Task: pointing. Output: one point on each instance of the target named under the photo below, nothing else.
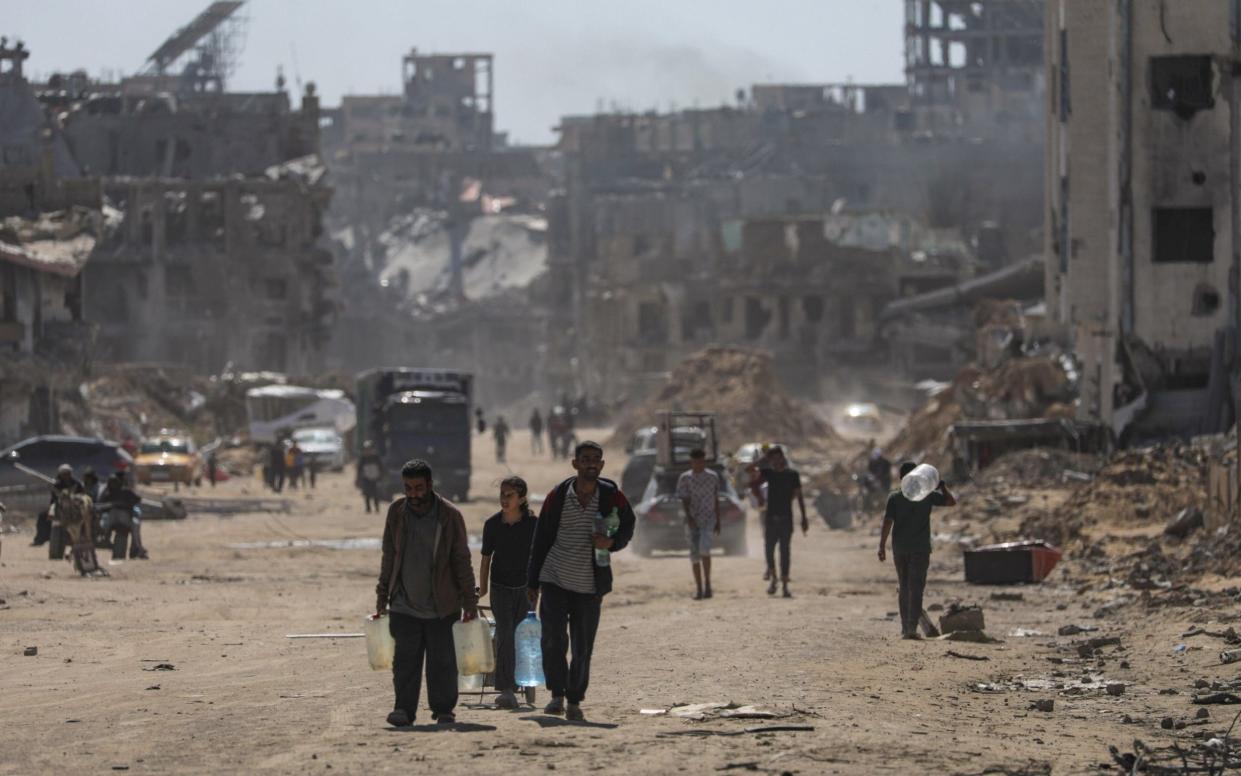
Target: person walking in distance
(783, 485)
(699, 490)
(536, 432)
(909, 522)
(370, 471)
(571, 576)
(426, 583)
(500, 432)
(506, 552)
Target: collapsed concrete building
(648, 238)
(1144, 144)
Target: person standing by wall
(909, 522)
(783, 485)
(565, 570)
(506, 552)
(426, 583)
(699, 490)
(500, 432)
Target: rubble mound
(740, 386)
(1019, 389)
(1143, 484)
(134, 401)
(1039, 467)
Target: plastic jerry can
(380, 646)
(472, 642)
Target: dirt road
(220, 594)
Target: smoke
(629, 74)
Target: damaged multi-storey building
(1144, 147)
(216, 259)
(792, 219)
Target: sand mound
(741, 388)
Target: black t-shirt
(509, 548)
(911, 521)
(780, 488)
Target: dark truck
(417, 413)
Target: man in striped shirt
(565, 572)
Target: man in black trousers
(584, 514)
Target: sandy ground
(244, 698)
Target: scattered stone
(1201, 684)
(970, 636)
(153, 687)
(1090, 647)
(1124, 664)
(1074, 630)
(962, 618)
(30, 651)
(1167, 723)
(935, 608)
(161, 667)
(1187, 520)
(1046, 705)
(1115, 688)
(1001, 596)
(1203, 713)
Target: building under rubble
(1144, 145)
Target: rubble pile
(741, 388)
(1040, 386)
(132, 402)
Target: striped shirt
(570, 563)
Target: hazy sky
(553, 57)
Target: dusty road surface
(220, 594)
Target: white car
(322, 445)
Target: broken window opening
(756, 318)
(1182, 84)
(147, 227)
(652, 323)
(1206, 301)
(812, 308)
(782, 308)
(1183, 235)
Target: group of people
(87, 514)
(558, 563)
(289, 466)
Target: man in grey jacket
(426, 580)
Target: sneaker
(706, 593)
(506, 700)
(698, 596)
(446, 718)
(555, 706)
(771, 589)
(574, 713)
(399, 718)
(787, 594)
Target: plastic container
(606, 526)
(920, 483)
(469, 682)
(472, 642)
(380, 646)
(529, 649)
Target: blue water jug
(529, 650)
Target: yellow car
(168, 457)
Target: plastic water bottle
(920, 483)
(529, 651)
(606, 526)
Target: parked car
(22, 492)
(168, 457)
(323, 446)
(642, 454)
(661, 516)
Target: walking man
(500, 431)
(536, 432)
(565, 568)
(425, 581)
(783, 485)
(699, 489)
(909, 522)
(370, 471)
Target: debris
(971, 636)
(325, 635)
(1230, 656)
(1167, 723)
(1217, 699)
(962, 618)
(30, 651)
(153, 687)
(928, 628)
(1115, 688)
(1045, 705)
(1022, 633)
(742, 732)
(1001, 596)
(1088, 648)
(964, 656)
(1073, 630)
(161, 667)
(1185, 522)
(1010, 562)
(1203, 713)
(1181, 649)
(718, 710)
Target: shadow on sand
(548, 721)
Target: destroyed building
(1141, 257)
(648, 236)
